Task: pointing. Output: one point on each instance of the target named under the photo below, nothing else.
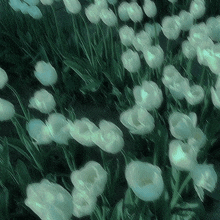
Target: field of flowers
(109, 109)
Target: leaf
(117, 212)
(4, 201)
(91, 87)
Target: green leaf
(117, 212)
(4, 201)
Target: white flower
(138, 120)
(34, 12)
(171, 27)
(182, 156)
(150, 8)
(197, 9)
(101, 4)
(153, 30)
(45, 73)
(148, 95)
(108, 17)
(108, 137)
(195, 95)
(32, 2)
(92, 13)
(15, 4)
(7, 110)
(126, 35)
(91, 178)
(123, 11)
(181, 125)
(82, 130)
(213, 26)
(72, 6)
(47, 2)
(153, 55)
(3, 78)
(215, 95)
(83, 203)
(186, 20)
(24, 8)
(131, 60)
(141, 40)
(43, 101)
(59, 128)
(39, 131)
(204, 177)
(49, 201)
(135, 12)
(145, 180)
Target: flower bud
(148, 95)
(195, 95)
(141, 40)
(126, 35)
(197, 9)
(108, 17)
(92, 13)
(43, 101)
(150, 8)
(72, 6)
(182, 156)
(145, 180)
(138, 120)
(101, 4)
(45, 73)
(135, 12)
(131, 61)
(123, 11)
(153, 30)
(49, 200)
(188, 50)
(213, 26)
(91, 178)
(7, 110)
(3, 78)
(170, 74)
(186, 20)
(15, 4)
(35, 12)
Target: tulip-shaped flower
(45, 73)
(138, 120)
(153, 30)
(131, 61)
(91, 178)
(145, 180)
(150, 8)
(148, 95)
(49, 201)
(181, 125)
(3, 78)
(82, 131)
(135, 12)
(59, 128)
(39, 131)
(182, 156)
(215, 95)
(154, 56)
(43, 101)
(7, 110)
(195, 95)
(204, 177)
(92, 12)
(126, 35)
(109, 137)
(197, 8)
(101, 3)
(188, 50)
(186, 20)
(84, 203)
(213, 26)
(72, 6)
(47, 2)
(34, 12)
(123, 11)
(108, 17)
(141, 40)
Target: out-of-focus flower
(215, 95)
(131, 60)
(34, 12)
(108, 17)
(150, 8)
(7, 110)
(82, 130)
(135, 12)
(170, 74)
(73, 6)
(197, 9)
(109, 137)
(59, 128)
(38, 130)
(92, 13)
(197, 139)
(138, 120)
(49, 201)
(24, 8)
(182, 156)
(186, 20)
(47, 2)
(91, 178)
(188, 50)
(181, 125)
(45, 73)
(153, 30)
(171, 27)
(43, 101)
(126, 35)
(3, 78)
(172, 1)
(213, 26)
(32, 2)
(153, 55)
(148, 95)
(101, 4)
(15, 4)
(204, 177)
(112, 2)
(195, 95)
(83, 203)
(141, 40)
(123, 11)
(145, 180)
